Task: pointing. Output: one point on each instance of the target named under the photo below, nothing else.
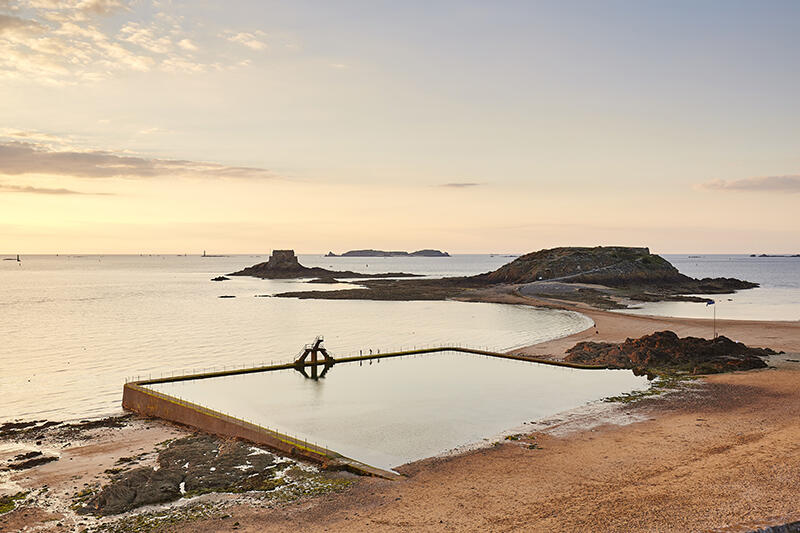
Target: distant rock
(226, 296)
(664, 351)
(325, 280)
(220, 278)
(283, 264)
(382, 253)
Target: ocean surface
(778, 297)
(73, 328)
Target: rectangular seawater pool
(388, 412)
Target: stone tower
(283, 260)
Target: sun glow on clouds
(22, 158)
(62, 42)
(773, 184)
(148, 124)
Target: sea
(777, 297)
(73, 328)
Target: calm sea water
(778, 297)
(400, 410)
(73, 328)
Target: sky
(155, 126)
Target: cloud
(789, 183)
(146, 37)
(460, 185)
(100, 7)
(187, 44)
(19, 158)
(15, 27)
(250, 40)
(41, 190)
(31, 135)
(67, 42)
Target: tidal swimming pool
(393, 411)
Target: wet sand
(722, 456)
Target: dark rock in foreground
(382, 253)
(29, 460)
(283, 264)
(664, 351)
(190, 466)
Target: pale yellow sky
(151, 127)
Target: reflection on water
(73, 328)
(402, 409)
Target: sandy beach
(721, 455)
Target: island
(283, 264)
(609, 277)
(382, 253)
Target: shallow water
(404, 409)
(778, 297)
(73, 328)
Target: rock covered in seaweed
(664, 351)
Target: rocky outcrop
(382, 253)
(189, 466)
(611, 266)
(283, 264)
(604, 276)
(664, 351)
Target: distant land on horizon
(382, 253)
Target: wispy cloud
(460, 185)
(789, 183)
(254, 40)
(29, 189)
(187, 44)
(62, 42)
(20, 158)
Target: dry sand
(723, 456)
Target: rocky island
(283, 264)
(603, 276)
(382, 253)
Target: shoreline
(521, 486)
